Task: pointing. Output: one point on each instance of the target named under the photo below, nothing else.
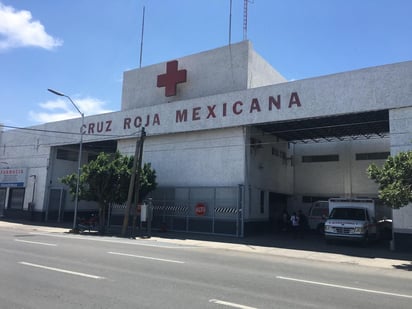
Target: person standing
(303, 223)
(285, 221)
(294, 220)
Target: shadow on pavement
(310, 242)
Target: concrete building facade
(226, 130)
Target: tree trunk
(102, 218)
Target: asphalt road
(57, 270)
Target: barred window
(372, 156)
(16, 198)
(320, 158)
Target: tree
(105, 180)
(394, 180)
(147, 181)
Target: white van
(318, 214)
(352, 219)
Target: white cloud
(17, 29)
(62, 109)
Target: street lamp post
(76, 199)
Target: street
(59, 270)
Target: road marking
(344, 287)
(134, 242)
(35, 242)
(62, 270)
(229, 304)
(146, 257)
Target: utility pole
(136, 159)
(137, 183)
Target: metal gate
(56, 205)
(207, 210)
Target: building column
(401, 140)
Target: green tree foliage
(147, 181)
(394, 180)
(105, 180)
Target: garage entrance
(60, 204)
(333, 128)
(325, 157)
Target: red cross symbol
(171, 78)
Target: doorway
(2, 201)
(56, 205)
(277, 204)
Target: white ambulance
(351, 219)
(317, 216)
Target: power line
(57, 132)
(154, 146)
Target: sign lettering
(213, 112)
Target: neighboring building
(233, 142)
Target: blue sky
(82, 48)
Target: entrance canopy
(333, 128)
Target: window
(68, 155)
(278, 153)
(320, 211)
(372, 156)
(348, 214)
(16, 198)
(312, 199)
(320, 158)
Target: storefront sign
(13, 177)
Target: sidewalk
(311, 247)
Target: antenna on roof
(230, 22)
(245, 4)
(141, 40)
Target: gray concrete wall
(218, 71)
(344, 178)
(207, 158)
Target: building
(232, 141)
